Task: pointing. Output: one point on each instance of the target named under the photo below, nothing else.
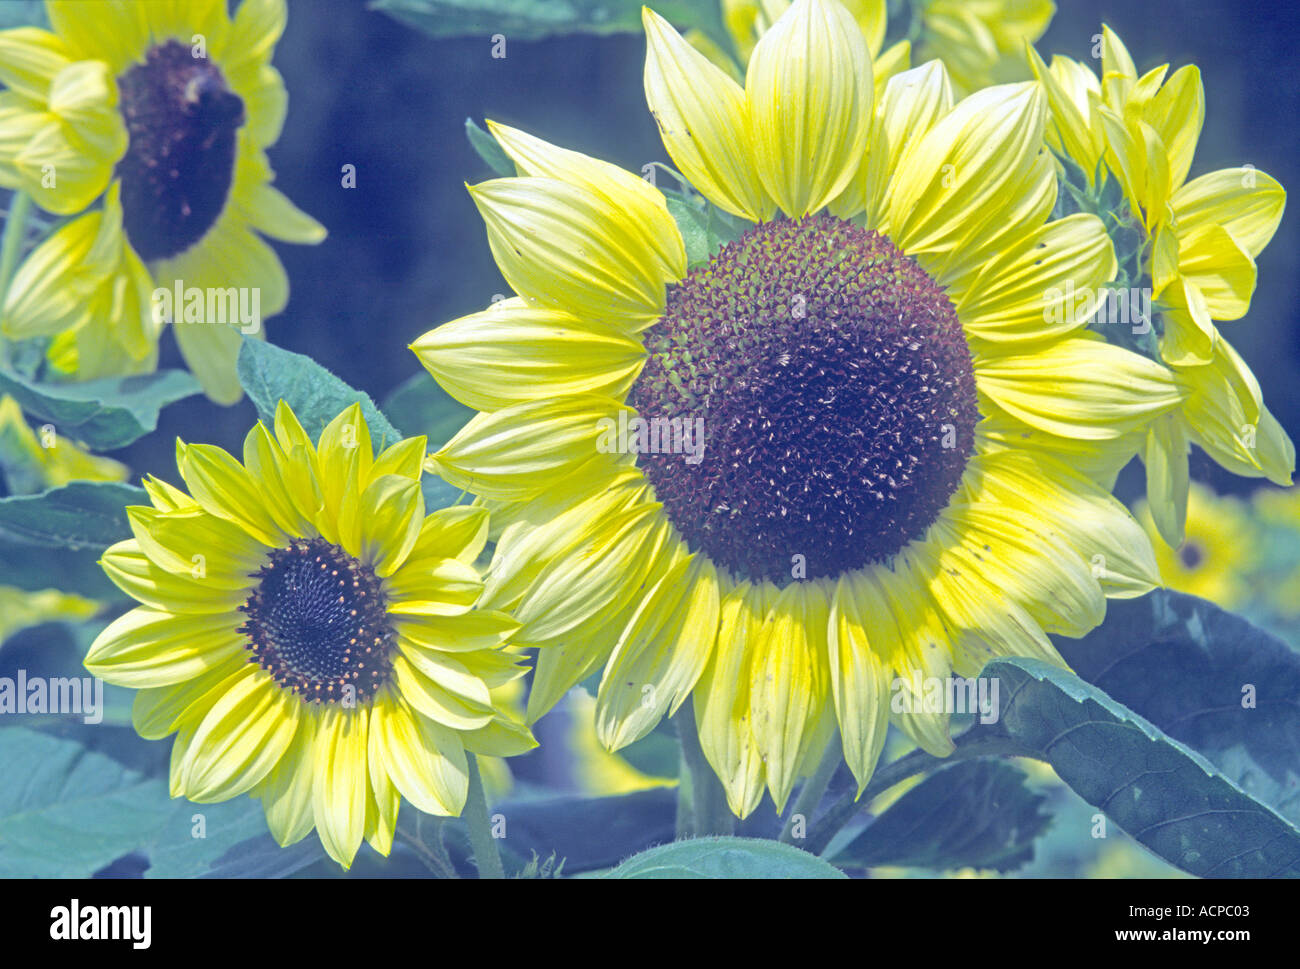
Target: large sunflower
(842, 520)
(165, 110)
(308, 633)
(1192, 249)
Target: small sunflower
(762, 480)
(1218, 549)
(165, 111)
(979, 41)
(1191, 245)
(309, 634)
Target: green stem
(11, 244)
(708, 801)
(917, 762)
(810, 796)
(486, 856)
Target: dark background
(407, 249)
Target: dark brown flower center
(317, 624)
(183, 120)
(835, 391)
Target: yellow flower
(819, 512)
(980, 42)
(1195, 257)
(1217, 550)
(309, 634)
(165, 110)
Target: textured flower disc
(317, 623)
(182, 119)
(837, 395)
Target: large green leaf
(270, 374)
(103, 414)
(1163, 793)
(976, 814)
(1207, 678)
(67, 812)
(725, 858)
(533, 19)
(54, 539)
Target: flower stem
(486, 856)
(810, 796)
(708, 812)
(15, 228)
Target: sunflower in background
(830, 515)
(979, 41)
(310, 635)
(165, 111)
(1191, 244)
(30, 464)
(1218, 553)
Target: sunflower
(762, 480)
(29, 464)
(308, 633)
(979, 41)
(1189, 246)
(1219, 548)
(165, 111)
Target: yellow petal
(564, 247)
(643, 203)
(341, 782)
(703, 120)
(147, 647)
(809, 89)
(1081, 388)
(1246, 202)
(859, 683)
(425, 762)
(722, 704)
(660, 655)
(514, 352)
(520, 450)
(789, 684)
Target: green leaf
(705, 228)
(725, 858)
(270, 374)
(534, 19)
(1163, 793)
(54, 539)
(1209, 679)
(489, 150)
(67, 812)
(975, 814)
(103, 414)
